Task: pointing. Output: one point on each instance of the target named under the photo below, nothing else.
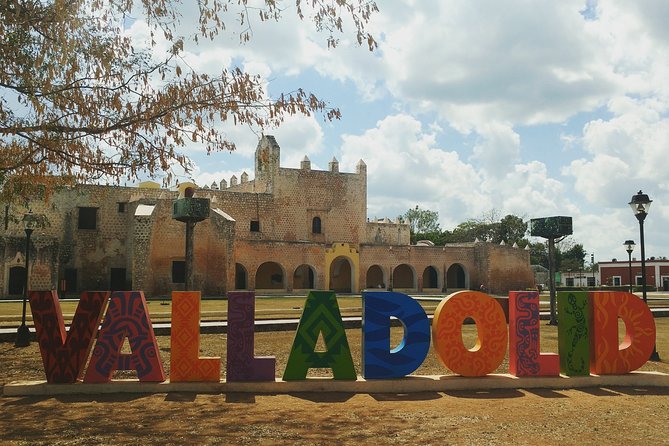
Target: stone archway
(404, 277)
(341, 275)
(270, 276)
(241, 277)
(333, 256)
(375, 278)
(304, 278)
(430, 278)
(457, 277)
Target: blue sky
(532, 108)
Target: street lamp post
(629, 247)
(23, 333)
(640, 204)
(592, 269)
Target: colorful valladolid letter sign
(574, 332)
(608, 356)
(490, 348)
(127, 317)
(525, 358)
(64, 353)
(241, 364)
(378, 360)
(320, 316)
(186, 364)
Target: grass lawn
(267, 307)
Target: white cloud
(477, 62)
(298, 136)
(488, 70)
(498, 150)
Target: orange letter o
(490, 348)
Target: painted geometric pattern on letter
(241, 364)
(127, 317)
(64, 355)
(185, 361)
(378, 360)
(321, 315)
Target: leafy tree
(470, 230)
(423, 224)
(572, 258)
(80, 100)
(512, 229)
(539, 254)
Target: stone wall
(262, 231)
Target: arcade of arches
(273, 276)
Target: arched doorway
(341, 279)
(241, 277)
(270, 276)
(404, 277)
(17, 280)
(304, 278)
(430, 278)
(375, 278)
(456, 277)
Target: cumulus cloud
(487, 71)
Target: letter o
(490, 348)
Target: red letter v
(64, 353)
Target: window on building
(122, 207)
(591, 281)
(617, 281)
(639, 280)
(178, 271)
(569, 281)
(255, 226)
(316, 225)
(88, 218)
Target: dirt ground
(585, 416)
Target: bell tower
(268, 157)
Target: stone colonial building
(286, 231)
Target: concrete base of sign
(410, 384)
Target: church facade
(286, 231)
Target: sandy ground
(584, 416)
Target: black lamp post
(629, 247)
(640, 204)
(592, 269)
(23, 333)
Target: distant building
(285, 231)
(617, 273)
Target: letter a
(321, 315)
(127, 317)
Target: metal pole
(629, 254)
(23, 333)
(551, 280)
(641, 217)
(190, 230)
